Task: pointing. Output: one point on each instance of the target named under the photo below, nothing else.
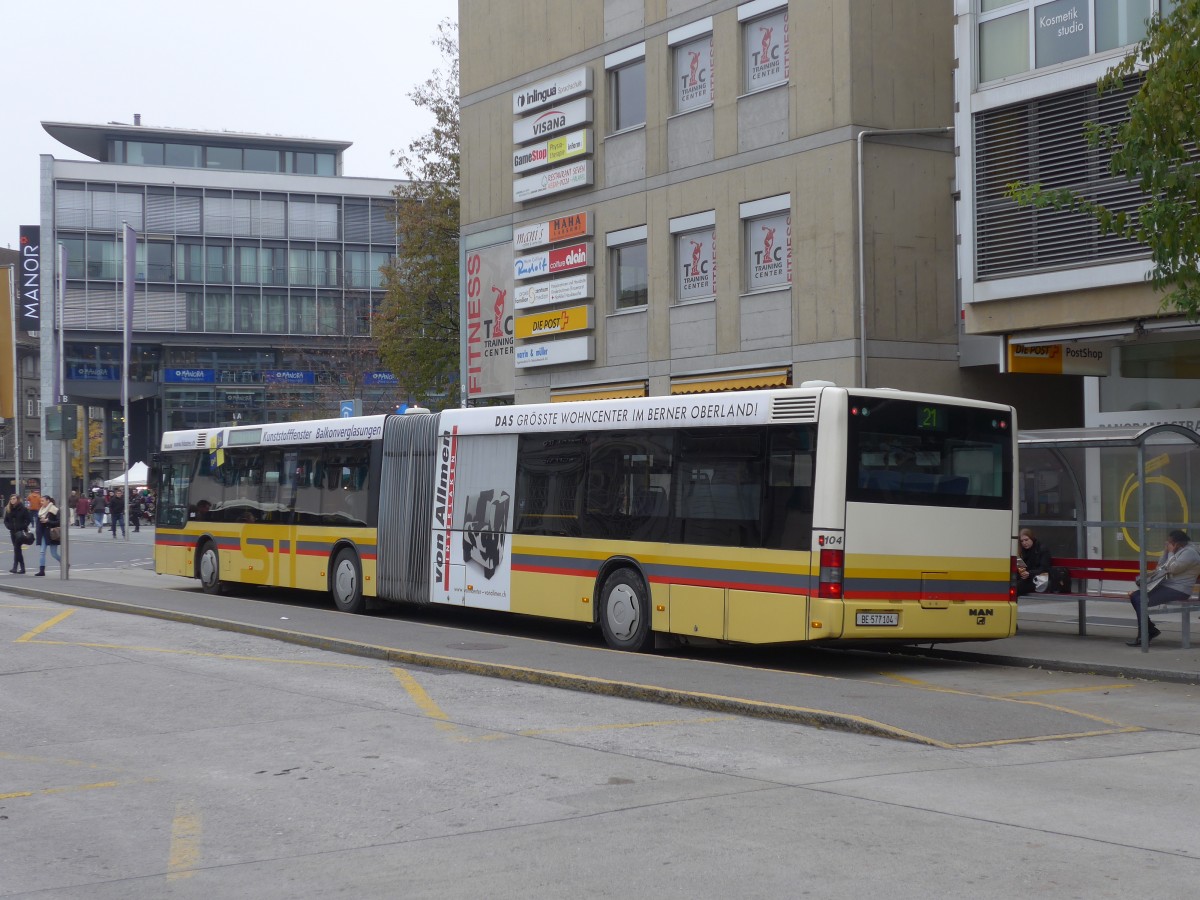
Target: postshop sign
(1058, 359)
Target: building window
(764, 44)
(33, 407)
(183, 155)
(216, 258)
(329, 314)
(1043, 141)
(768, 243)
(194, 309)
(143, 153)
(223, 157)
(218, 313)
(1012, 33)
(695, 256)
(189, 262)
(693, 65)
(301, 265)
(627, 80)
(261, 160)
(275, 313)
(247, 314)
(31, 443)
(159, 255)
(630, 269)
(304, 315)
(101, 258)
(696, 266)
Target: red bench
(1086, 571)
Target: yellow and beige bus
(814, 513)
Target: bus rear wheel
(345, 582)
(625, 612)
(208, 569)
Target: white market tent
(139, 475)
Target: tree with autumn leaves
(1156, 148)
(417, 326)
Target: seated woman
(1034, 559)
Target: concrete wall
(879, 64)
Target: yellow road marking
(60, 790)
(184, 855)
(1074, 690)
(25, 757)
(30, 635)
(1013, 698)
(424, 702)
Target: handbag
(1040, 582)
(1157, 577)
(27, 537)
(55, 534)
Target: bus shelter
(1110, 493)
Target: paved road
(142, 757)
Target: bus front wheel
(625, 612)
(208, 569)
(345, 584)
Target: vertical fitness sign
(489, 322)
(30, 278)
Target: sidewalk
(1048, 638)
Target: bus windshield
(928, 454)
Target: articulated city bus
(814, 513)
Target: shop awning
(743, 380)
(616, 391)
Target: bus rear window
(928, 454)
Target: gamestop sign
(555, 150)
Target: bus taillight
(1012, 578)
(832, 565)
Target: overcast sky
(339, 71)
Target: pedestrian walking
(17, 520)
(116, 512)
(49, 534)
(99, 505)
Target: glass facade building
(257, 277)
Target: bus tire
(625, 612)
(208, 569)
(345, 582)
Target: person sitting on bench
(1172, 579)
(1034, 559)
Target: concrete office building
(258, 274)
(1062, 298)
(667, 195)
